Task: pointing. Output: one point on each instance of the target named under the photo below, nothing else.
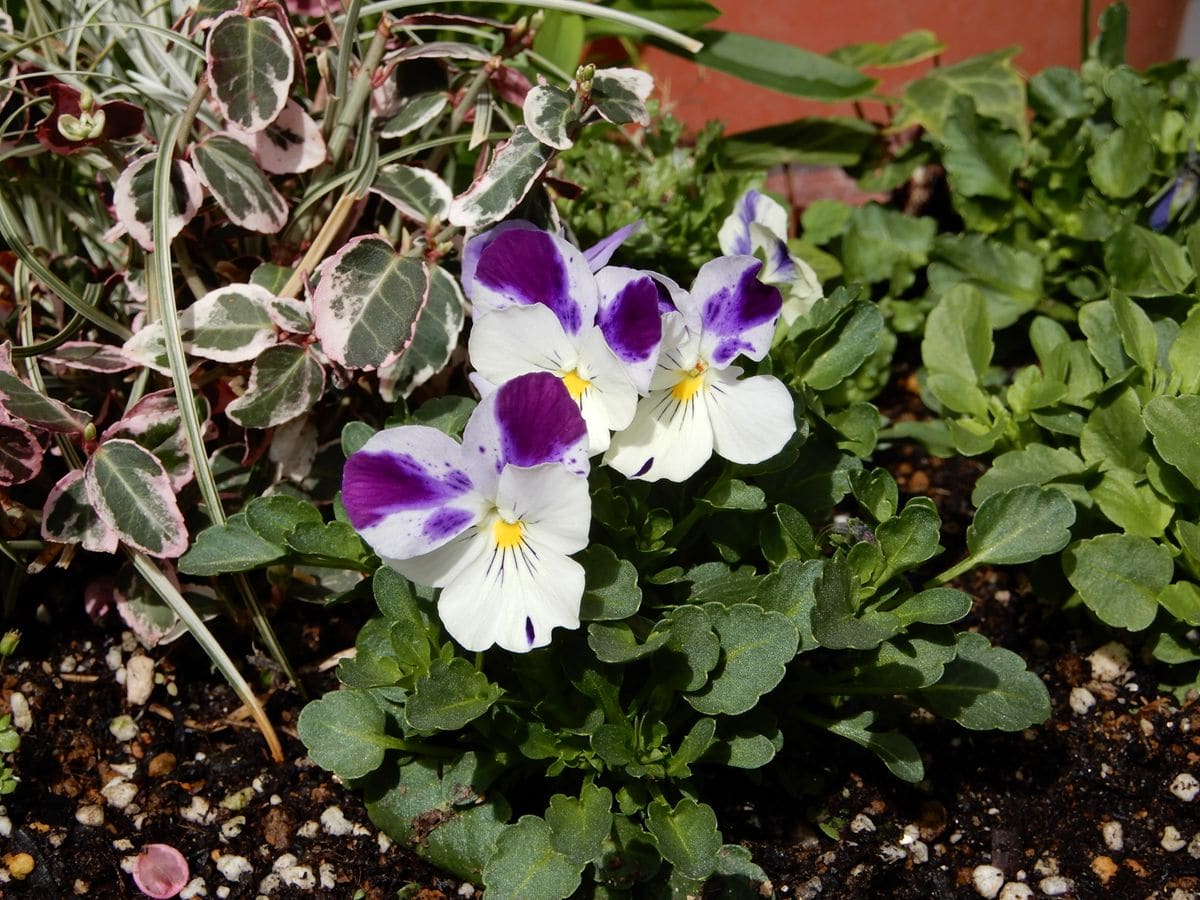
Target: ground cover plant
(409, 316)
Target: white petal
(668, 439)
(439, 567)
(512, 598)
(610, 399)
(519, 339)
(553, 504)
(751, 419)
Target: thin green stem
(416, 748)
(359, 93)
(189, 116)
(952, 573)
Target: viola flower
(1178, 197)
(491, 521)
(538, 308)
(758, 226)
(76, 121)
(698, 405)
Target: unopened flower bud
(8, 642)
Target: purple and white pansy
(539, 308)
(491, 521)
(697, 404)
(758, 226)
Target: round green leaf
(988, 687)
(1175, 424)
(756, 646)
(1119, 577)
(344, 732)
(526, 865)
(450, 696)
(687, 836)
(1020, 525)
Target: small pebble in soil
(198, 811)
(123, 728)
(22, 718)
(327, 875)
(112, 658)
(223, 892)
(1193, 847)
(1172, 841)
(139, 679)
(1014, 890)
(1104, 868)
(1056, 885)
(234, 867)
(1109, 662)
(194, 888)
(1114, 836)
(20, 865)
(309, 829)
(1185, 787)
(861, 823)
(5, 826)
(231, 828)
(293, 874)
(161, 764)
(988, 881)
(90, 815)
(1082, 700)
(119, 793)
(237, 800)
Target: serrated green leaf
(935, 606)
(909, 539)
(692, 649)
(344, 732)
(449, 696)
(907, 662)
(735, 494)
(1122, 163)
(615, 642)
(693, 746)
(286, 382)
(903, 51)
(1020, 525)
(250, 69)
(1119, 577)
(1144, 264)
(1182, 600)
(129, 490)
(1057, 93)
(989, 80)
(979, 156)
(610, 589)
(332, 540)
(787, 535)
(885, 245)
(1132, 504)
(1175, 424)
(1114, 435)
(273, 517)
(836, 624)
(756, 646)
(896, 751)
(687, 836)
(579, 826)
(1036, 464)
(988, 687)
(1009, 278)
(232, 547)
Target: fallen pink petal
(160, 871)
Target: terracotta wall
(1048, 31)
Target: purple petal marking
(539, 422)
(377, 484)
(644, 469)
(780, 262)
(527, 266)
(630, 319)
(446, 522)
(529, 633)
(737, 311)
(745, 212)
(601, 252)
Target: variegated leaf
(271, 276)
(148, 347)
(230, 324)
(20, 453)
(129, 490)
(417, 193)
(367, 303)
(551, 115)
(620, 95)
(229, 171)
(250, 69)
(91, 356)
(289, 145)
(286, 381)
(290, 315)
(68, 518)
(294, 448)
(133, 199)
(155, 423)
(437, 335)
(518, 163)
(443, 50)
(417, 112)
(19, 400)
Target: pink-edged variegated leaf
(148, 347)
(68, 518)
(247, 196)
(91, 356)
(551, 115)
(417, 193)
(133, 199)
(417, 112)
(129, 490)
(286, 382)
(154, 422)
(442, 50)
(289, 145)
(20, 401)
(620, 95)
(250, 69)
(6, 363)
(230, 324)
(20, 453)
(367, 303)
(437, 334)
(294, 448)
(518, 163)
(290, 315)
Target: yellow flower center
(575, 384)
(685, 389)
(507, 534)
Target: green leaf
(1098, 322)
(273, 517)
(610, 589)
(452, 694)
(693, 746)
(1109, 46)
(232, 547)
(447, 414)
(1057, 94)
(615, 642)
(367, 303)
(989, 80)
(735, 494)
(230, 324)
(907, 662)
(957, 349)
(1137, 332)
(1175, 424)
(418, 193)
(1115, 435)
(560, 39)
(1144, 264)
(885, 245)
(344, 732)
(134, 199)
(250, 69)
(239, 186)
(936, 606)
(836, 624)
(286, 382)
(517, 164)
(630, 856)
(332, 540)
(903, 51)
(131, 493)
(1182, 600)
(781, 67)
(68, 518)
(787, 535)
(896, 751)
(835, 356)
(1020, 525)
(23, 402)
(620, 95)
(1119, 577)
(1009, 278)
(909, 539)
(1036, 464)
(987, 688)
(418, 111)
(579, 826)
(687, 836)
(979, 156)
(1132, 504)
(354, 436)
(756, 646)
(525, 864)
(790, 591)
(830, 141)
(435, 339)
(692, 650)
(1122, 163)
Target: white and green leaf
(518, 163)
(417, 112)
(90, 356)
(133, 199)
(551, 115)
(20, 401)
(250, 69)
(20, 453)
(129, 490)
(436, 337)
(418, 193)
(230, 324)
(620, 95)
(68, 518)
(289, 145)
(286, 382)
(247, 196)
